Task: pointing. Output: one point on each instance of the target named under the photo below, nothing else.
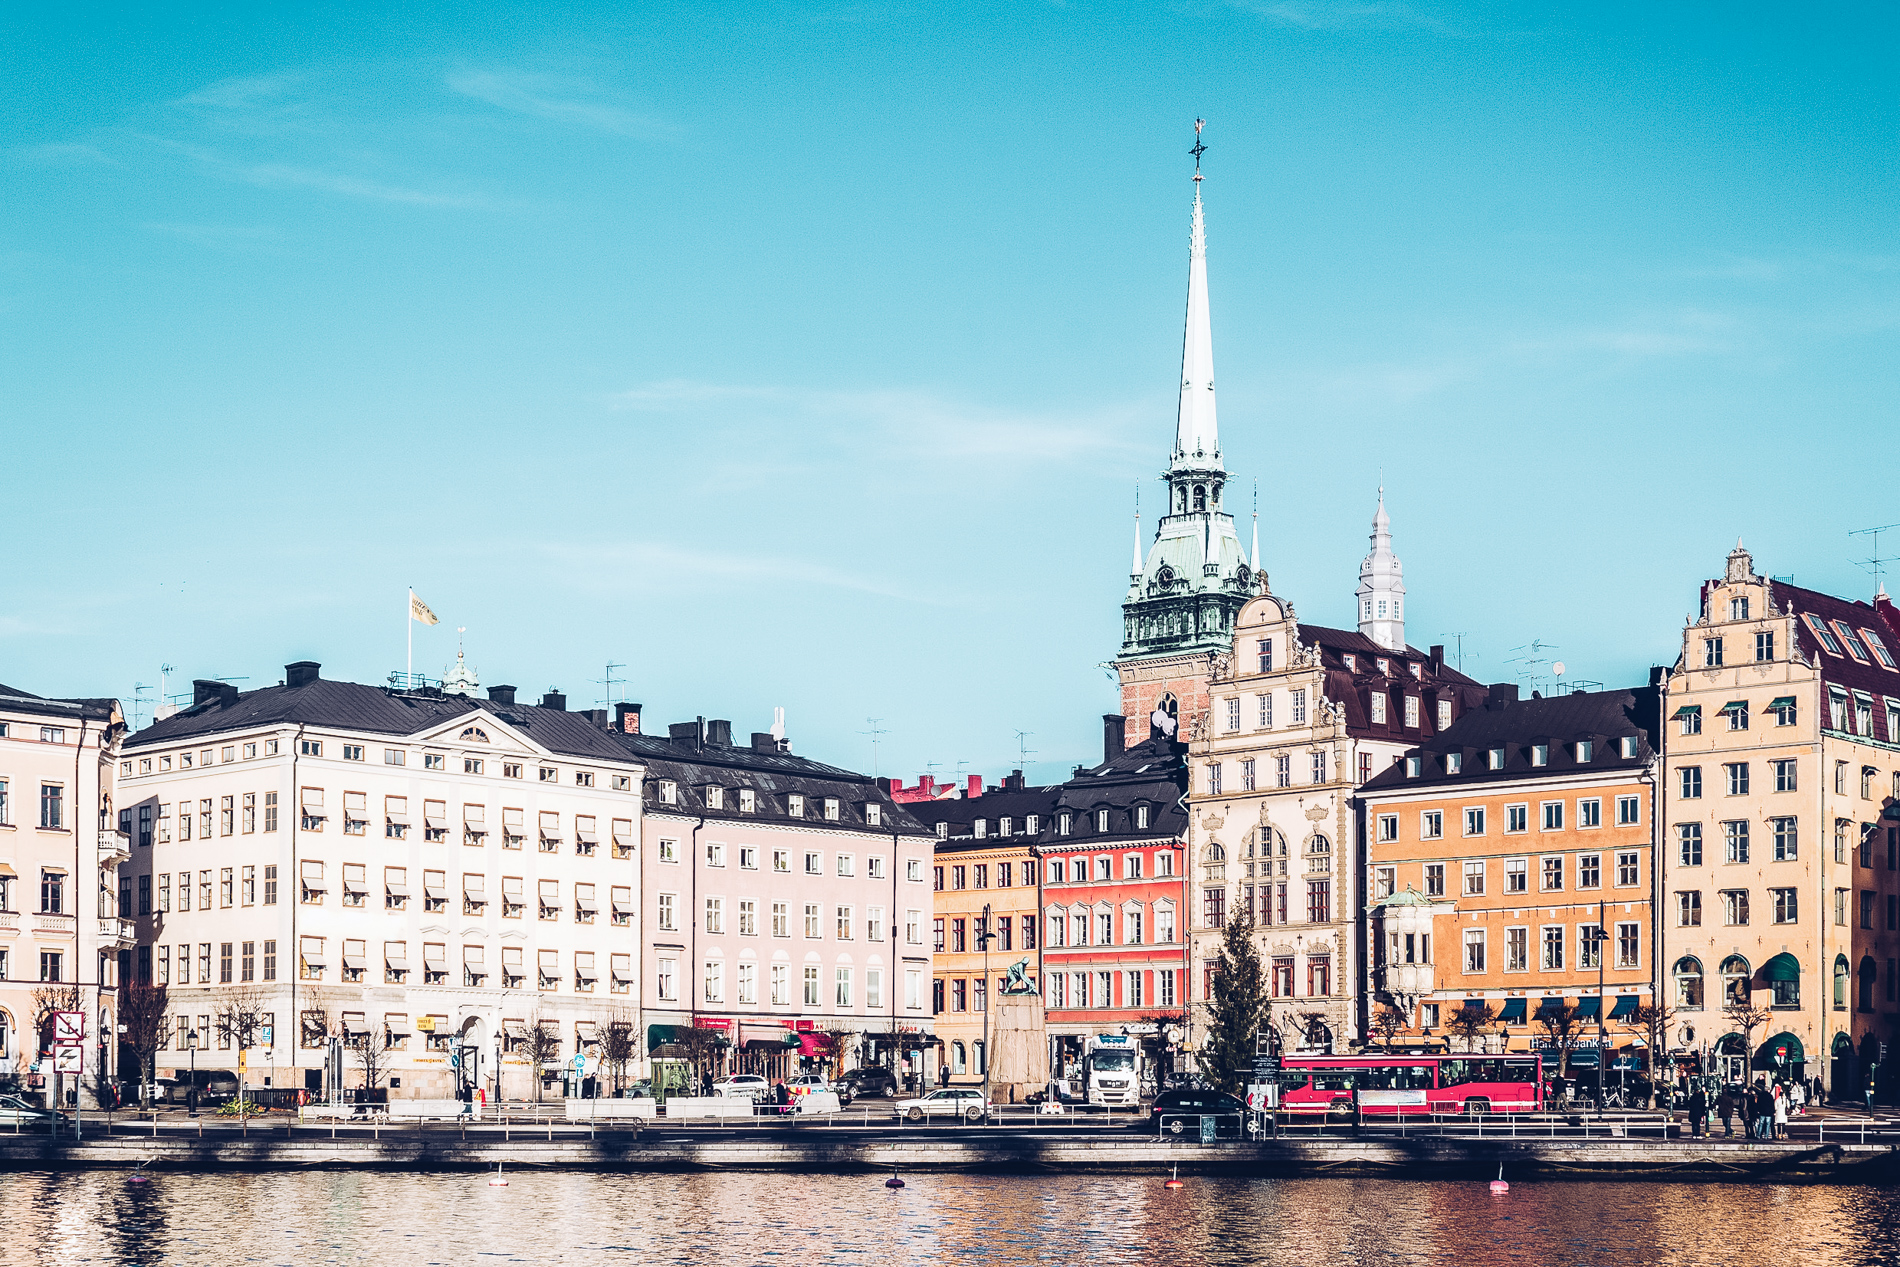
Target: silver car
(17, 1112)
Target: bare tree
(1563, 1026)
(1388, 1022)
(145, 1016)
(371, 1051)
(316, 1019)
(619, 1044)
(1313, 1028)
(1652, 1020)
(701, 1046)
(48, 999)
(840, 1043)
(1472, 1022)
(240, 1017)
(541, 1043)
(1746, 1018)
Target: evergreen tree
(1238, 1010)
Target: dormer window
(1627, 746)
(715, 796)
(795, 805)
(1413, 765)
(669, 792)
(1064, 822)
(1585, 750)
(1454, 763)
(1351, 662)
(1851, 642)
(1497, 758)
(1540, 754)
(748, 800)
(1141, 817)
(1418, 673)
(831, 809)
(1444, 714)
(1385, 666)
(1101, 820)
(943, 831)
(873, 814)
(1820, 630)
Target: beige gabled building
(1780, 867)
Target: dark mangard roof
(1352, 688)
(959, 815)
(15, 700)
(1153, 773)
(1559, 720)
(773, 777)
(1844, 670)
(376, 710)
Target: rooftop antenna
(164, 674)
(876, 732)
(1459, 654)
(1022, 745)
(1532, 662)
(610, 681)
(1876, 562)
(138, 704)
(778, 725)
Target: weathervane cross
(1199, 149)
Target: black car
(873, 1081)
(1179, 1111)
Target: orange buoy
(1498, 1185)
(1174, 1179)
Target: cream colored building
(60, 929)
(1300, 716)
(1780, 855)
(424, 871)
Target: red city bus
(1390, 1086)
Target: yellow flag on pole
(419, 610)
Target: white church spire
(1196, 434)
(1382, 587)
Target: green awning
(1783, 967)
(1587, 1009)
(1625, 1005)
(1685, 711)
(661, 1035)
(1549, 1007)
(1780, 702)
(1785, 1045)
(1735, 706)
(1513, 1012)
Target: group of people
(1764, 1107)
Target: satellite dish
(1558, 668)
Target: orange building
(1499, 849)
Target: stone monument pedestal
(1019, 1059)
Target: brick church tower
(1183, 596)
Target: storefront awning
(1786, 1046)
(1625, 1005)
(1513, 1013)
(766, 1037)
(1783, 967)
(1548, 1006)
(1587, 1009)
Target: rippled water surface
(778, 1219)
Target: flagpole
(409, 628)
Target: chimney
(555, 700)
(1502, 694)
(975, 787)
(596, 715)
(686, 732)
(627, 718)
(302, 673)
(1114, 735)
(1656, 674)
(886, 786)
(719, 733)
(227, 695)
(204, 690)
(501, 695)
(1438, 655)
(765, 741)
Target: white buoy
(496, 1180)
(1498, 1185)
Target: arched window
(1735, 974)
(1840, 983)
(1200, 497)
(1689, 982)
(6, 1035)
(957, 1062)
(1215, 853)
(1319, 844)
(976, 1053)
(1180, 501)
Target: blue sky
(810, 355)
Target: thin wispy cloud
(228, 236)
(915, 423)
(243, 93)
(1326, 15)
(612, 566)
(292, 176)
(558, 100)
(62, 154)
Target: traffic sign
(69, 1027)
(580, 1062)
(69, 1059)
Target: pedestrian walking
(1868, 1091)
(1798, 1097)
(1725, 1105)
(1781, 1112)
(1698, 1112)
(1763, 1110)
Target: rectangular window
(1213, 779)
(1711, 653)
(1628, 811)
(1517, 950)
(1786, 839)
(1388, 827)
(782, 919)
(1735, 907)
(1411, 711)
(1553, 815)
(1735, 841)
(1264, 711)
(1689, 908)
(814, 921)
(1246, 777)
(1689, 782)
(1474, 878)
(1474, 950)
(811, 987)
(1626, 869)
(1378, 708)
(1263, 650)
(1736, 774)
(1517, 877)
(1516, 818)
(1431, 824)
(1553, 949)
(1299, 706)
(1553, 875)
(1319, 767)
(1232, 708)
(1434, 879)
(1590, 812)
(1589, 947)
(1689, 844)
(1474, 820)
(1590, 871)
(1319, 901)
(1787, 907)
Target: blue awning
(1513, 1013)
(1625, 1004)
(1587, 1009)
(1549, 1006)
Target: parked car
(964, 1102)
(15, 1111)
(1178, 1111)
(743, 1086)
(870, 1081)
(805, 1083)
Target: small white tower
(462, 679)
(1382, 587)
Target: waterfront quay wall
(630, 1150)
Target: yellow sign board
(426, 1024)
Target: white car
(17, 1112)
(964, 1102)
(743, 1086)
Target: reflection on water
(784, 1220)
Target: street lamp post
(192, 1095)
(1597, 937)
(984, 937)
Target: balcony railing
(116, 930)
(114, 846)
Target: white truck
(1110, 1072)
